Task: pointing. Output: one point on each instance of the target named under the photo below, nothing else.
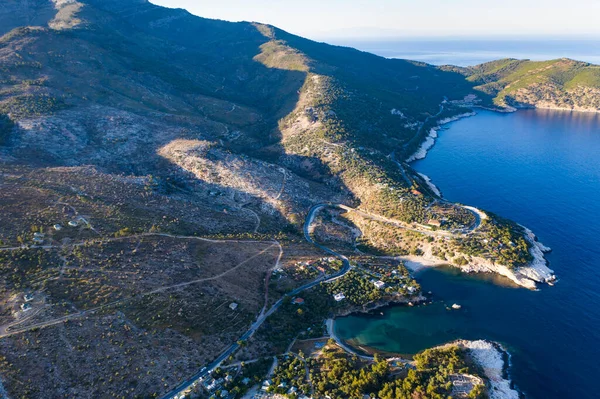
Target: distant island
(184, 199)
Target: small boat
(456, 306)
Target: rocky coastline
(371, 306)
(490, 357)
(429, 142)
(528, 276)
(537, 271)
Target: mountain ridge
(134, 136)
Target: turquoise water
(542, 169)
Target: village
(299, 373)
(369, 281)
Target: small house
(73, 223)
(266, 385)
(298, 301)
(434, 222)
(212, 386)
(28, 297)
(379, 284)
(233, 306)
(416, 192)
(57, 227)
(339, 297)
(25, 307)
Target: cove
(541, 169)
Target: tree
(6, 126)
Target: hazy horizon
(391, 19)
(474, 51)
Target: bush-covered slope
(137, 119)
(118, 81)
(562, 83)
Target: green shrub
(6, 126)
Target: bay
(541, 169)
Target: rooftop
(339, 297)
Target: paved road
(418, 133)
(187, 384)
(12, 328)
(345, 268)
(402, 169)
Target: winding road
(190, 382)
(418, 133)
(186, 385)
(479, 215)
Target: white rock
(487, 355)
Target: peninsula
(183, 198)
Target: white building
(265, 386)
(379, 284)
(233, 306)
(339, 297)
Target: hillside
(557, 84)
(158, 169)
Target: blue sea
(473, 51)
(541, 169)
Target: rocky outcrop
(430, 139)
(490, 357)
(392, 300)
(425, 147)
(551, 96)
(528, 276)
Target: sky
(318, 19)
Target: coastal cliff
(429, 142)
(382, 303)
(561, 84)
(490, 357)
(529, 276)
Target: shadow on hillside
(171, 68)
